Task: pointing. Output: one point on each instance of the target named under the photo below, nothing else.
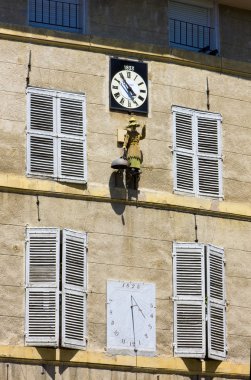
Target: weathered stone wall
(135, 247)
(169, 84)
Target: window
(197, 152)
(199, 301)
(56, 135)
(64, 15)
(55, 288)
(192, 26)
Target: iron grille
(56, 13)
(191, 35)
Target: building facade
(106, 274)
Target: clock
(131, 315)
(128, 86)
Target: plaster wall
(169, 84)
(136, 245)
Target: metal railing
(55, 13)
(191, 35)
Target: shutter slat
(42, 286)
(72, 166)
(189, 300)
(217, 347)
(207, 135)
(42, 257)
(184, 167)
(71, 113)
(41, 128)
(42, 317)
(74, 289)
(209, 178)
(72, 129)
(41, 112)
(183, 131)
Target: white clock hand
(127, 85)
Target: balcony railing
(193, 36)
(55, 13)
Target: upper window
(197, 152)
(199, 301)
(56, 135)
(56, 283)
(192, 26)
(64, 15)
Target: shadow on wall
(117, 191)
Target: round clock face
(129, 89)
(131, 317)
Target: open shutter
(72, 138)
(41, 144)
(189, 300)
(183, 151)
(42, 287)
(209, 156)
(74, 284)
(216, 303)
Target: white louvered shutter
(42, 287)
(209, 155)
(72, 138)
(183, 151)
(41, 144)
(74, 286)
(189, 300)
(216, 303)
(186, 22)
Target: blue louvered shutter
(72, 164)
(41, 128)
(74, 288)
(183, 151)
(189, 300)
(216, 303)
(42, 287)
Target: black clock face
(128, 86)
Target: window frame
(56, 135)
(194, 153)
(82, 20)
(214, 22)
